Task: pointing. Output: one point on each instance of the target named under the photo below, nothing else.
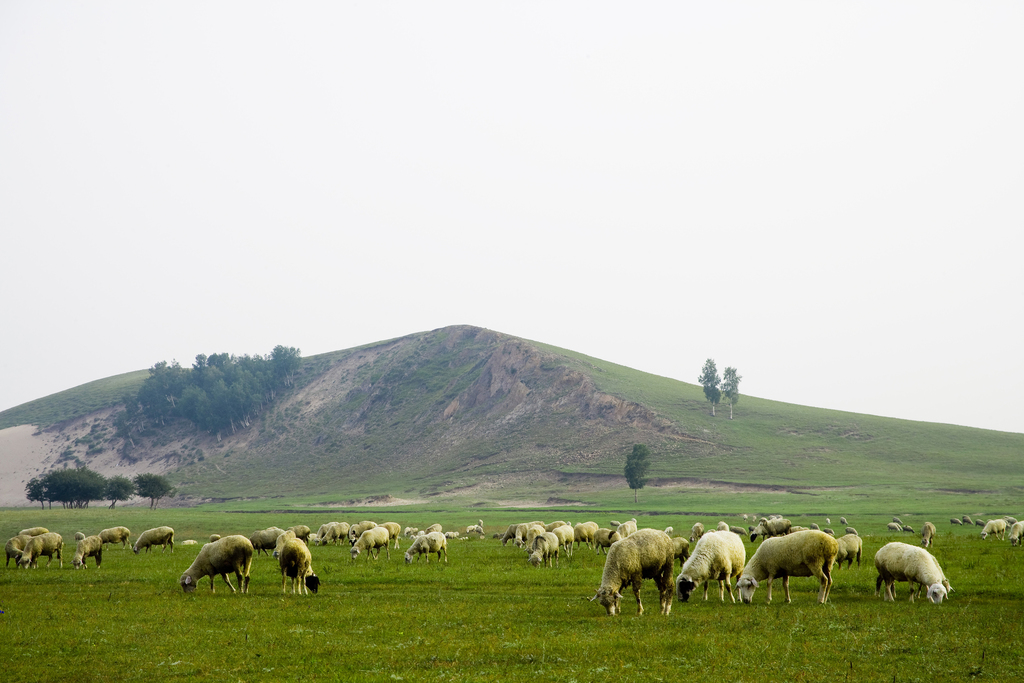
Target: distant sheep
(645, 554)
(814, 527)
(718, 556)
(117, 534)
(603, 539)
(627, 528)
(371, 541)
(769, 528)
(1010, 521)
(227, 555)
(903, 562)
(79, 536)
(584, 533)
(897, 520)
(830, 532)
(954, 520)
(301, 532)
(842, 520)
(850, 547)
(696, 531)
(510, 534)
(808, 553)
(475, 529)
(265, 540)
(738, 530)
(681, 549)
(994, 526)
(90, 546)
(34, 531)
(851, 530)
(48, 544)
(722, 526)
(332, 532)
(909, 529)
(553, 525)
(162, 536)
(214, 537)
(966, 519)
(928, 534)
(434, 542)
(297, 564)
(437, 527)
(979, 522)
(893, 526)
(190, 542)
(544, 548)
(1016, 532)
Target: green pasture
(486, 615)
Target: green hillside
(75, 402)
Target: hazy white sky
(825, 195)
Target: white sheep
(955, 521)
(162, 536)
(722, 526)
(770, 528)
(646, 554)
(229, 554)
(190, 541)
(994, 526)
(214, 537)
(544, 548)
(117, 534)
(434, 542)
(681, 548)
(566, 537)
(979, 522)
(301, 532)
(394, 531)
(79, 536)
(475, 529)
(296, 563)
(904, 562)
(521, 529)
(627, 528)
(584, 533)
(850, 547)
(842, 520)
(851, 530)
(332, 532)
(371, 541)
(510, 534)
(1016, 532)
(48, 544)
(356, 530)
(531, 532)
(696, 532)
(451, 535)
(718, 556)
(928, 534)
(14, 546)
(553, 525)
(90, 546)
(807, 553)
(604, 538)
(34, 531)
(265, 540)
(894, 526)
(437, 527)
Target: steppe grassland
(487, 614)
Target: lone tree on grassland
(731, 388)
(119, 488)
(153, 486)
(710, 380)
(637, 464)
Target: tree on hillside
(153, 486)
(119, 488)
(637, 464)
(74, 488)
(731, 388)
(710, 380)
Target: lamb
(544, 548)
(696, 532)
(903, 562)
(928, 534)
(14, 546)
(850, 547)
(718, 556)
(954, 520)
(265, 540)
(34, 531)
(603, 539)
(90, 546)
(994, 526)
(394, 531)
(1016, 531)
(584, 533)
(627, 528)
(297, 564)
(301, 532)
(434, 542)
(229, 554)
(566, 536)
(372, 540)
(117, 534)
(807, 553)
(356, 530)
(48, 544)
(646, 554)
(162, 536)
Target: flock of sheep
(632, 554)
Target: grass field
(486, 615)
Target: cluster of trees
(716, 388)
(217, 393)
(76, 487)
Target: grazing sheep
(1010, 521)
(214, 537)
(410, 531)
(282, 539)
(808, 553)
(669, 530)
(117, 534)
(228, 554)
(34, 531)
(521, 532)
(265, 540)
(301, 532)
(793, 529)
(79, 536)
(372, 540)
(738, 531)
(904, 562)
(722, 526)
(395, 531)
(909, 529)
(979, 522)
(48, 544)
(531, 533)
(769, 528)
(475, 529)
(681, 549)
(994, 526)
(356, 530)
(162, 536)
(90, 546)
(851, 530)
(584, 533)
(296, 564)
(438, 527)
(928, 534)
(434, 542)
(566, 536)
(627, 528)
(897, 520)
(850, 547)
(718, 556)
(830, 532)
(603, 539)
(842, 520)
(966, 519)
(696, 532)
(954, 520)
(1016, 531)
(543, 548)
(510, 534)
(893, 526)
(332, 532)
(613, 524)
(645, 554)
(190, 542)
(14, 546)
(814, 527)
(553, 525)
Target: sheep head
(609, 598)
(187, 584)
(936, 592)
(313, 582)
(747, 585)
(684, 586)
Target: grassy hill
(489, 418)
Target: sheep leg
(284, 581)
(769, 596)
(785, 584)
(636, 591)
(226, 580)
